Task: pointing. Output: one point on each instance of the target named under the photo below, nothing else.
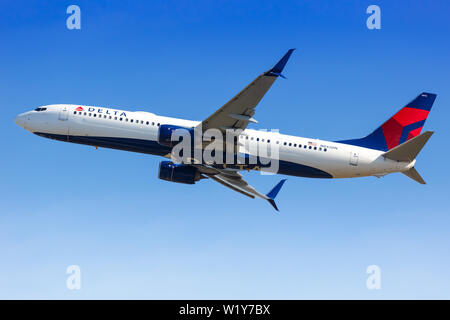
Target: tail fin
(403, 126)
(409, 150)
(413, 174)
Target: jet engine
(180, 173)
(166, 131)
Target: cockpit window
(40, 109)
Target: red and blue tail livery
(404, 125)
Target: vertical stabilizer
(406, 124)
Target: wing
(234, 180)
(239, 111)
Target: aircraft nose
(20, 120)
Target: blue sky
(135, 236)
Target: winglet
(278, 68)
(273, 193)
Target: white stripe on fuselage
(339, 160)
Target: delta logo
(103, 111)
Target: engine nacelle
(180, 173)
(166, 131)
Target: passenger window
(153, 123)
(85, 113)
(268, 141)
(325, 150)
(95, 115)
(110, 117)
(158, 124)
(120, 119)
(126, 119)
(310, 147)
(74, 112)
(257, 139)
(147, 123)
(284, 143)
(115, 118)
(90, 114)
(131, 120)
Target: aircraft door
(353, 158)
(63, 114)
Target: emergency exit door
(353, 158)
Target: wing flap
(230, 185)
(235, 181)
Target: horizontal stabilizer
(413, 174)
(409, 150)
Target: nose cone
(20, 120)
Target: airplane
(392, 147)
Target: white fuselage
(138, 131)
